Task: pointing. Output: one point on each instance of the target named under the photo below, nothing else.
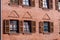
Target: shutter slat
(20, 2)
(5, 26)
(32, 3)
(40, 3)
(56, 4)
(14, 2)
(51, 27)
(33, 26)
(21, 26)
(50, 4)
(40, 27)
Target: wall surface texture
(31, 13)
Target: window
(23, 3)
(30, 3)
(10, 26)
(26, 2)
(45, 3)
(19, 26)
(27, 26)
(13, 26)
(46, 27)
(59, 5)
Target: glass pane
(10, 27)
(46, 26)
(23, 3)
(45, 3)
(13, 26)
(59, 5)
(24, 0)
(27, 3)
(26, 27)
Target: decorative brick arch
(27, 15)
(13, 14)
(46, 17)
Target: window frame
(48, 31)
(30, 30)
(16, 31)
(41, 27)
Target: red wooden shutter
(51, 27)
(21, 26)
(33, 26)
(40, 27)
(50, 4)
(56, 4)
(5, 26)
(32, 3)
(20, 2)
(40, 3)
(14, 2)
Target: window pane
(13, 26)
(45, 26)
(25, 2)
(45, 3)
(10, 27)
(26, 27)
(59, 5)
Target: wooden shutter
(32, 3)
(40, 3)
(51, 27)
(41, 27)
(14, 2)
(5, 26)
(20, 2)
(11, 2)
(21, 26)
(33, 27)
(50, 4)
(56, 4)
